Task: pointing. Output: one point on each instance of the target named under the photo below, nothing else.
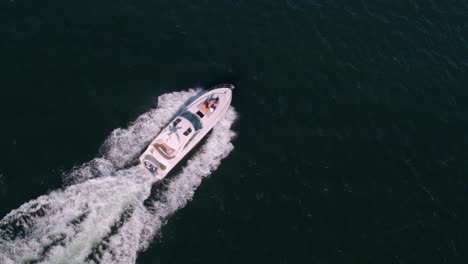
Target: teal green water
(352, 133)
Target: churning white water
(106, 214)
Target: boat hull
(185, 131)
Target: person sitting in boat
(210, 104)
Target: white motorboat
(186, 130)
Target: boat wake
(107, 213)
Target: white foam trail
(104, 219)
(62, 227)
(179, 191)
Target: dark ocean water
(352, 134)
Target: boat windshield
(193, 119)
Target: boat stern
(152, 166)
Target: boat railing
(224, 85)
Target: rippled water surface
(347, 141)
